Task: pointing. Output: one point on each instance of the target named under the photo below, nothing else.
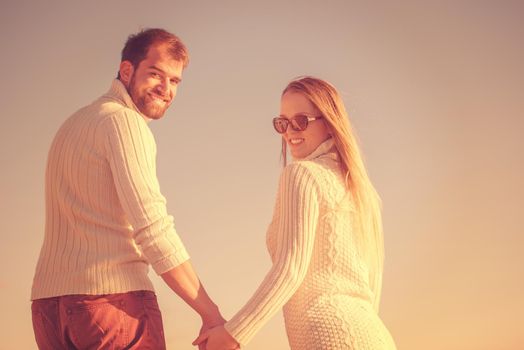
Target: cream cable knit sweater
(106, 219)
(318, 276)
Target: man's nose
(163, 86)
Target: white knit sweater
(106, 220)
(318, 275)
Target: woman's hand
(217, 339)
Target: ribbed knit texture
(318, 276)
(106, 220)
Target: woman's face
(302, 143)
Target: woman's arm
(298, 218)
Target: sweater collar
(118, 92)
(326, 148)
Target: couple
(106, 222)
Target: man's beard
(144, 104)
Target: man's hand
(217, 339)
(207, 324)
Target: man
(106, 220)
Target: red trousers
(87, 322)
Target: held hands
(208, 322)
(216, 339)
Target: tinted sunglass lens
(300, 122)
(280, 125)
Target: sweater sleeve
(299, 208)
(131, 150)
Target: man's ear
(126, 72)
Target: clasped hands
(215, 337)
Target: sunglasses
(298, 123)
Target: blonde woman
(325, 239)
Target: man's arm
(130, 150)
(183, 280)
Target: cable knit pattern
(318, 275)
(106, 219)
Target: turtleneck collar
(326, 148)
(119, 92)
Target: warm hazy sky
(435, 90)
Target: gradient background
(435, 90)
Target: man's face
(153, 84)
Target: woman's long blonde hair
(368, 223)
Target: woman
(325, 239)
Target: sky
(435, 90)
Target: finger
(202, 337)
